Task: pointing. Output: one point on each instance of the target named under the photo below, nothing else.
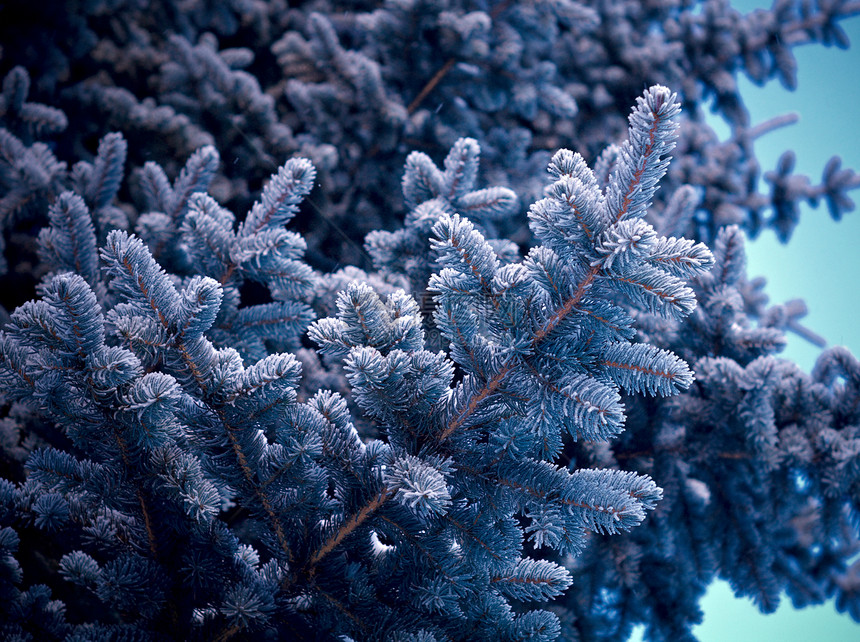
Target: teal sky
(820, 264)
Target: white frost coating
(699, 490)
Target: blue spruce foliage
(475, 360)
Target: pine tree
(537, 406)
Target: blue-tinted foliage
(339, 361)
(355, 88)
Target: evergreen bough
(213, 429)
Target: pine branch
(349, 525)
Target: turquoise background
(820, 264)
